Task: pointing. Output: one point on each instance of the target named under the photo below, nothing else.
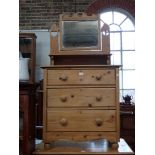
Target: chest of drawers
(81, 103)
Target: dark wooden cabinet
(127, 123)
(27, 47)
(26, 118)
(27, 93)
(39, 110)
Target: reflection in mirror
(80, 34)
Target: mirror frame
(56, 47)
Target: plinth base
(90, 149)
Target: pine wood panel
(81, 120)
(81, 76)
(81, 97)
(81, 136)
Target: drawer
(81, 120)
(81, 136)
(77, 76)
(81, 97)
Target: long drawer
(81, 97)
(81, 120)
(83, 76)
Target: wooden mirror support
(79, 39)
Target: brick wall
(40, 14)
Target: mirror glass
(80, 34)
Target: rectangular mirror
(80, 34)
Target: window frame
(123, 91)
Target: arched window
(122, 47)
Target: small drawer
(81, 120)
(81, 97)
(81, 76)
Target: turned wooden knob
(98, 77)
(63, 77)
(63, 98)
(115, 145)
(89, 105)
(99, 121)
(98, 98)
(63, 121)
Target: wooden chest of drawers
(81, 103)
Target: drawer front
(81, 97)
(81, 136)
(74, 77)
(81, 120)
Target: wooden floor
(90, 149)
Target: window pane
(118, 17)
(107, 17)
(120, 95)
(128, 59)
(114, 41)
(116, 58)
(128, 79)
(128, 41)
(127, 25)
(114, 27)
